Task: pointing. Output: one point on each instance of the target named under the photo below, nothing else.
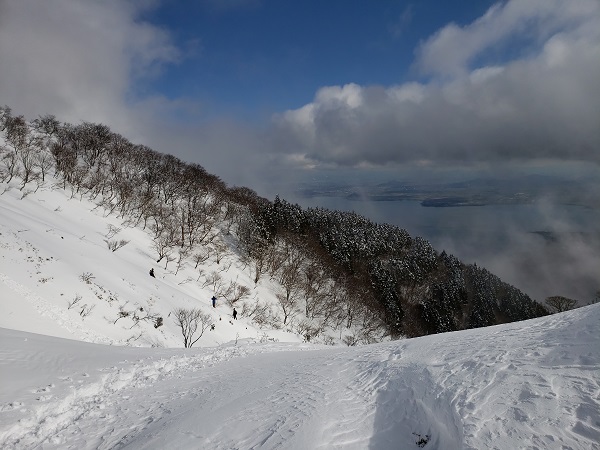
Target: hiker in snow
(234, 314)
(214, 300)
(152, 273)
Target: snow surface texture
(532, 384)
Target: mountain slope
(325, 276)
(53, 250)
(531, 384)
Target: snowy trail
(205, 399)
(532, 384)
(298, 404)
(92, 395)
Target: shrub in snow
(112, 231)
(113, 246)
(72, 303)
(86, 310)
(422, 440)
(87, 277)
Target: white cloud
(349, 96)
(544, 104)
(78, 59)
(450, 50)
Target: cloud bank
(543, 103)
(81, 60)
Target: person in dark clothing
(152, 273)
(234, 313)
(214, 300)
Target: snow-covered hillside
(59, 277)
(533, 384)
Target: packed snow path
(532, 384)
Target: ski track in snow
(532, 385)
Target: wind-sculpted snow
(532, 384)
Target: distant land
(476, 192)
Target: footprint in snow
(395, 356)
(10, 406)
(43, 389)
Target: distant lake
(501, 238)
(435, 223)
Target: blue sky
(262, 93)
(254, 58)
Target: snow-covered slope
(533, 384)
(53, 250)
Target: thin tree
(190, 320)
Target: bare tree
(314, 284)
(182, 255)
(201, 255)
(261, 314)
(292, 260)
(219, 250)
(45, 163)
(215, 281)
(28, 161)
(163, 244)
(257, 265)
(558, 303)
(234, 293)
(47, 125)
(9, 168)
(189, 320)
(288, 296)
